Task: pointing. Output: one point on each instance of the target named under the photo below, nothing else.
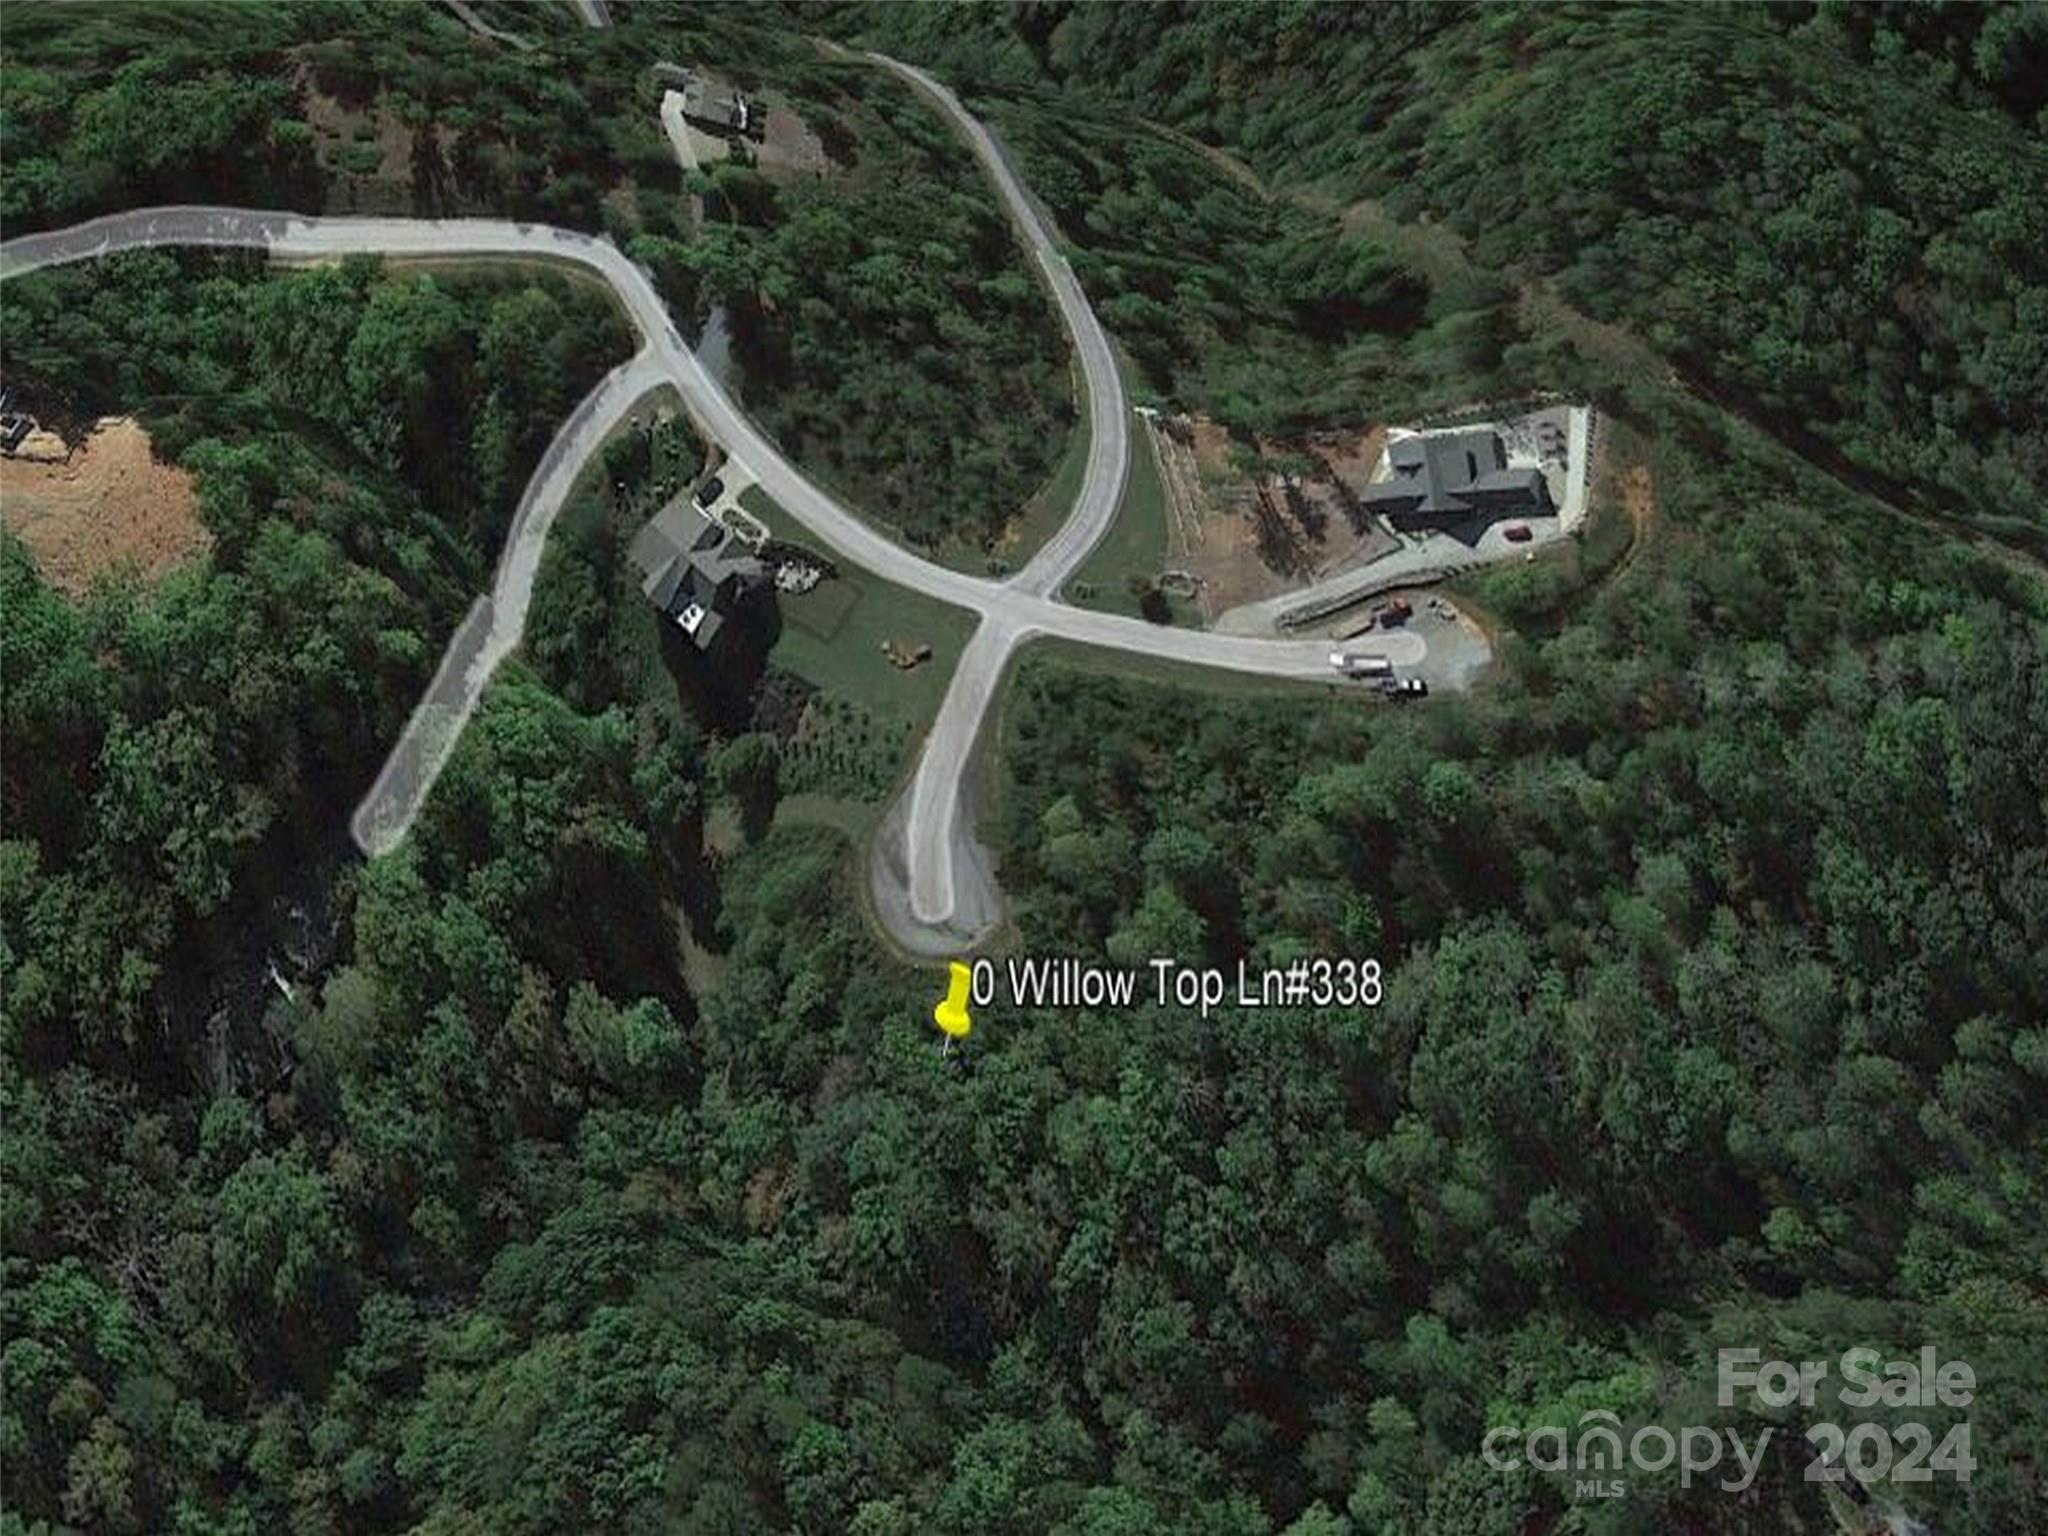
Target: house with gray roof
(1454, 482)
(716, 108)
(698, 574)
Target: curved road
(933, 886)
(496, 623)
(1109, 419)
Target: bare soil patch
(379, 162)
(1212, 444)
(1282, 520)
(788, 148)
(1639, 496)
(1352, 456)
(109, 504)
(373, 144)
(1639, 501)
(768, 1191)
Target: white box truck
(1361, 664)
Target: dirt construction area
(1250, 524)
(108, 504)
(788, 147)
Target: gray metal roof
(714, 104)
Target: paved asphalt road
(494, 627)
(1109, 418)
(949, 898)
(483, 28)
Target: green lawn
(1136, 544)
(809, 808)
(832, 636)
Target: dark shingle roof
(693, 569)
(1451, 474)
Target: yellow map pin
(951, 1013)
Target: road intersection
(932, 883)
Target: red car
(1517, 533)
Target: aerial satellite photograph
(1024, 767)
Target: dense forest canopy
(1832, 219)
(1246, 305)
(587, 1164)
(358, 442)
(887, 328)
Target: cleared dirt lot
(377, 162)
(788, 147)
(1257, 533)
(109, 504)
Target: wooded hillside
(588, 1165)
(1830, 220)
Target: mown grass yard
(833, 635)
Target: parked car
(1405, 688)
(709, 492)
(1396, 614)
(1517, 533)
